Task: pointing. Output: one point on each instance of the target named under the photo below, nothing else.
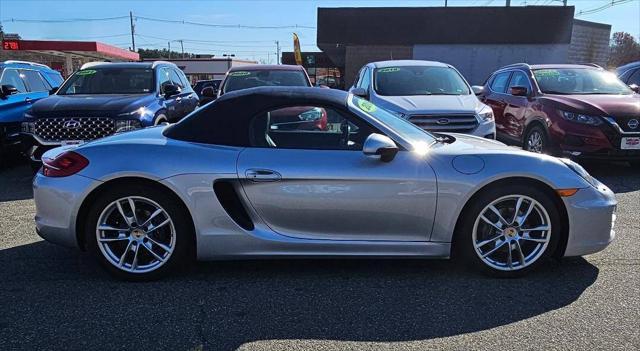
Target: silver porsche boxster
(309, 172)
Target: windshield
(409, 131)
(250, 79)
(109, 81)
(419, 80)
(570, 81)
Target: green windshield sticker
(366, 106)
(239, 73)
(86, 72)
(546, 73)
(388, 70)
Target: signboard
(11, 45)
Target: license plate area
(72, 142)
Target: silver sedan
(307, 172)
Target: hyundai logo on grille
(633, 124)
(72, 124)
(442, 121)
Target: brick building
(476, 40)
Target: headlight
(580, 171)
(140, 112)
(125, 125)
(486, 113)
(582, 119)
(28, 127)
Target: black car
(102, 99)
(207, 90)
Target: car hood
(430, 103)
(599, 105)
(112, 103)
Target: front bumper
(57, 202)
(591, 213)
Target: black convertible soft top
(226, 120)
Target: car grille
(445, 123)
(624, 122)
(73, 128)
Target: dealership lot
(52, 297)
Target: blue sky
(258, 44)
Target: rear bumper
(57, 203)
(591, 213)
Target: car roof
(266, 68)
(406, 63)
(563, 65)
(628, 66)
(26, 64)
(146, 64)
(226, 120)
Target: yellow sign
(366, 106)
(296, 49)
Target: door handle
(28, 100)
(262, 175)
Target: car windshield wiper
(556, 92)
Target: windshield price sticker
(239, 73)
(366, 106)
(389, 70)
(86, 72)
(547, 73)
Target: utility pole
(169, 44)
(508, 3)
(277, 52)
(133, 31)
(564, 2)
(182, 47)
(445, 3)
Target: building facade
(476, 40)
(206, 68)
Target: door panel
(340, 194)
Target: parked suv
(579, 110)
(431, 95)
(107, 98)
(630, 74)
(21, 84)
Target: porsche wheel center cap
(510, 232)
(137, 233)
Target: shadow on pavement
(619, 177)
(15, 182)
(57, 298)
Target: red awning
(78, 49)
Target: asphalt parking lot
(58, 298)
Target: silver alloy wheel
(135, 234)
(535, 142)
(512, 232)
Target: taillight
(64, 165)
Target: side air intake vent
(231, 203)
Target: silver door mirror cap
(380, 146)
(359, 92)
(477, 89)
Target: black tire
(534, 135)
(464, 243)
(182, 254)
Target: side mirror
(519, 91)
(54, 90)
(209, 92)
(171, 90)
(8, 90)
(380, 146)
(635, 88)
(361, 92)
(477, 89)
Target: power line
(243, 26)
(602, 8)
(67, 20)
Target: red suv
(577, 110)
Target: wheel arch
(535, 121)
(560, 206)
(104, 187)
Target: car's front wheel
(138, 232)
(537, 141)
(507, 231)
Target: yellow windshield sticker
(388, 70)
(86, 72)
(366, 106)
(239, 73)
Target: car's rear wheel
(508, 231)
(537, 140)
(138, 232)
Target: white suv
(432, 95)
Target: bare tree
(624, 49)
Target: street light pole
(133, 31)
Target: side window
(34, 80)
(366, 79)
(519, 79)
(635, 78)
(175, 78)
(164, 78)
(55, 79)
(12, 77)
(184, 79)
(499, 83)
(308, 127)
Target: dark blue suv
(102, 99)
(21, 84)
